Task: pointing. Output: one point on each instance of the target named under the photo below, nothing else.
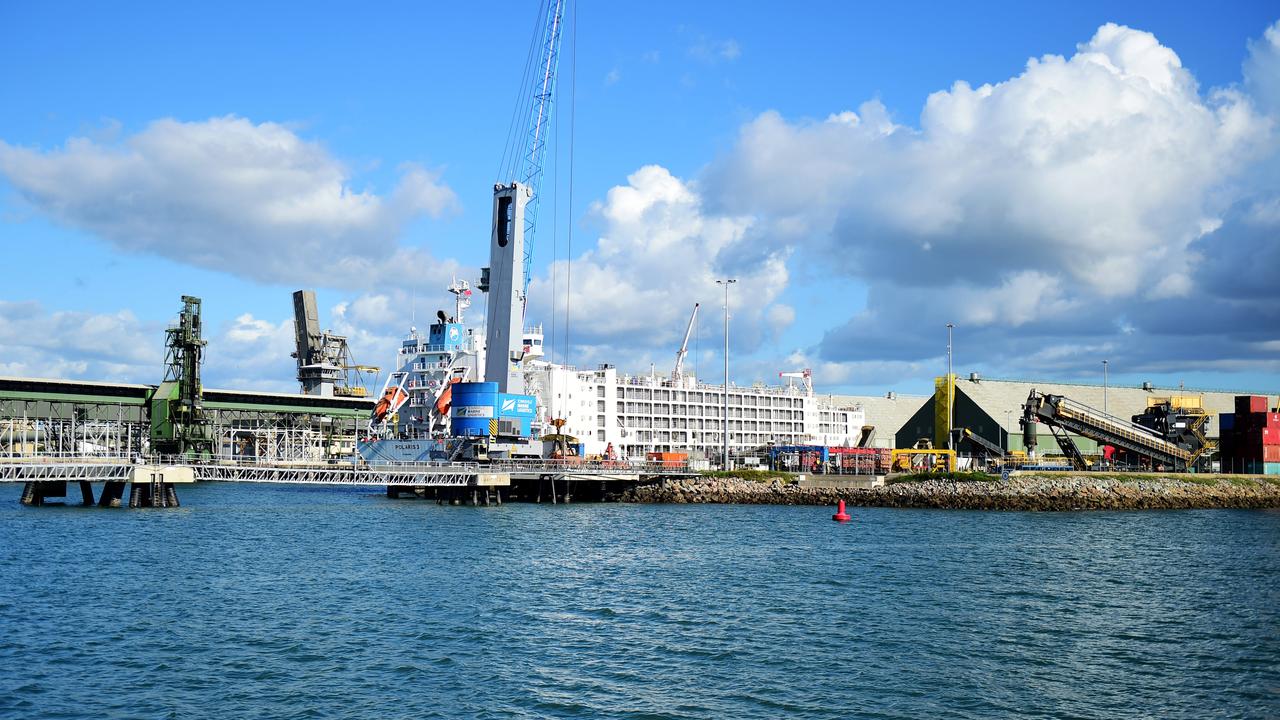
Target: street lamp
(726, 283)
(1104, 387)
(951, 398)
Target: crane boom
(805, 375)
(677, 373)
(535, 148)
(515, 207)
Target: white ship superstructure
(415, 398)
(638, 414)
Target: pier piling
(112, 492)
(34, 493)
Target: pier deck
(107, 469)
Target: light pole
(726, 282)
(1104, 387)
(951, 399)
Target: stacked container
(1250, 438)
(860, 460)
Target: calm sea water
(283, 602)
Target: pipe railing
(531, 465)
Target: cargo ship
(600, 412)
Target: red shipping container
(1246, 404)
(1270, 436)
(1271, 453)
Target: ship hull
(390, 451)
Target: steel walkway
(56, 469)
(72, 468)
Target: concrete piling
(112, 492)
(34, 493)
(135, 494)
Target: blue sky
(238, 152)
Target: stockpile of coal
(1017, 493)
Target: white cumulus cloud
(35, 342)
(658, 253)
(1045, 205)
(1099, 168)
(254, 200)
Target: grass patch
(958, 476)
(1129, 477)
(753, 475)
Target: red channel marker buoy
(841, 515)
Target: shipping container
(1251, 421)
(668, 459)
(1251, 404)
(1271, 453)
(1226, 422)
(1228, 445)
(1250, 467)
(1271, 468)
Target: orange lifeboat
(390, 401)
(446, 397)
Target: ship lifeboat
(446, 397)
(390, 401)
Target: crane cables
(525, 150)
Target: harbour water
(294, 602)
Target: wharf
(559, 481)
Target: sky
(1064, 183)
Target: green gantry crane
(179, 425)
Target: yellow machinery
(922, 459)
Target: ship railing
(423, 348)
(66, 456)
(559, 466)
(573, 466)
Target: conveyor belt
(1062, 412)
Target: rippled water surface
(281, 602)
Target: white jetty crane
(677, 372)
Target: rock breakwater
(1018, 493)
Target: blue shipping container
(1227, 421)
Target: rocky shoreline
(1018, 493)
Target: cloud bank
(1064, 214)
(253, 200)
